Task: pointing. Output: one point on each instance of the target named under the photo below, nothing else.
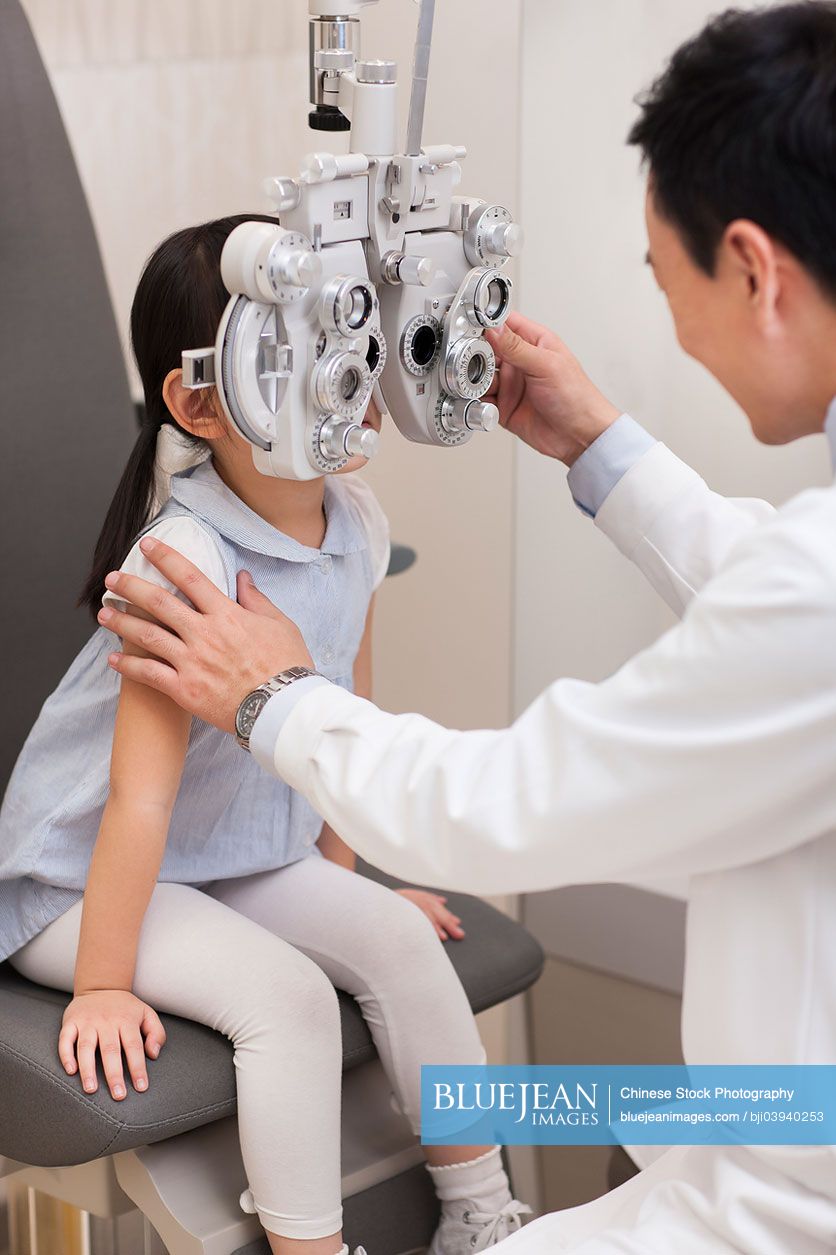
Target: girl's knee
(405, 936)
(280, 994)
(293, 985)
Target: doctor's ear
(196, 410)
(752, 258)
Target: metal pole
(420, 71)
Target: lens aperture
(349, 384)
(357, 307)
(476, 368)
(341, 383)
(420, 344)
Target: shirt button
(327, 654)
(310, 838)
(325, 564)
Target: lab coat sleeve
(711, 749)
(665, 518)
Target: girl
(148, 866)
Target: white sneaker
(466, 1231)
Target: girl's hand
(111, 1020)
(432, 904)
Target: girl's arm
(149, 750)
(446, 924)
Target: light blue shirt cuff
(599, 468)
(270, 722)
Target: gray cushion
(46, 1119)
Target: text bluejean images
(597, 1106)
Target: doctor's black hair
(178, 305)
(742, 124)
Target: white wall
(176, 111)
(579, 608)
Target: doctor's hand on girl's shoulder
(445, 923)
(208, 658)
(109, 1021)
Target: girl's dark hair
(178, 304)
(742, 124)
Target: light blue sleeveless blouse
(230, 817)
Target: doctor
(712, 753)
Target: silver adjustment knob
(376, 71)
(300, 268)
(333, 60)
(491, 235)
(504, 239)
(339, 439)
(459, 416)
(418, 272)
(265, 262)
(398, 267)
(362, 442)
(481, 416)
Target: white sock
(480, 1182)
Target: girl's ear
(193, 409)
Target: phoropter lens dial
(469, 368)
(376, 354)
(341, 383)
(487, 298)
(266, 263)
(491, 236)
(346, 305)
(420, 344)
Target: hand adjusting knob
(339, 439)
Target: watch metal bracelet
(254, 702)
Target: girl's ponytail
(178, 305)
(127, 513)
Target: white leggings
(255, 958)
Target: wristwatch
(253, 704)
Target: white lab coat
(712, 754)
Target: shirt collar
(830, 431)
(203, 492)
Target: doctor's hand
(543, 393)
(208, 658)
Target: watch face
(248, 712)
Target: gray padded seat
(47, 1120)
(67, 426)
